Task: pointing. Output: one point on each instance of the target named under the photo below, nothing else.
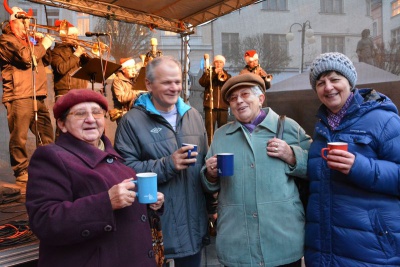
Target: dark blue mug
(225, 164)
(190, 151)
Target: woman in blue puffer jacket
(353, 214)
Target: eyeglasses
(243, 95)
(82, 114)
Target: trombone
(93, 48)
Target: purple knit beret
(76, 96)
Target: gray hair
(155, 63)
(256, 90)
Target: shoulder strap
(281, 127)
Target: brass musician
(253, 66)
(153, 53)
(216, 110)
(67, 57)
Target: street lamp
(306, 31)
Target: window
(83, 23)
(52, 16)
(332, 44)
(274, 5)
(374, 29)
(332, 6)
(395, 8)
(167, 33)
(230, 44)
(276, 43)
(368, 6)
(396, 35)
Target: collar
(90, 154)
(270, 122)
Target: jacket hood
(145, 101)
(364, 101)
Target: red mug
(334, 145)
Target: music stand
(140, 83)
(92, 71)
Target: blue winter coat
(354, 220)
(147, 141)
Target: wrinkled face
(253, 63)
(167, 85)
(85, 122)
(129, 72)
(244, 104)
(333, 90)
(18, 27)
(219, 64)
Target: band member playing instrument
(213, 101)
(253, 66)
(24, 88)
(123, 88)
(67, 57)
(153, 53)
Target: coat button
(110, 160)
(143, 218)
(85, 233)
(255, 215)
(151, 254)
(108, 228)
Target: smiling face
(333, 90)
(88, 129)
(244, 104)
(166, 85)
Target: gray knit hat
(333, 61)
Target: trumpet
(92, 47)
(269, 77)
(222, 77)
(259, 71)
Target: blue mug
(147, 187)
(225, 164)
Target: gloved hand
(79, 51)
(47, 41)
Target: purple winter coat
(70, 210)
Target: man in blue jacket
(150, 138)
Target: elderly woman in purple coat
(80, 197)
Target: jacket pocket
(382, 233)
(361, 143)
(355, 139)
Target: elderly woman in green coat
(260, 215)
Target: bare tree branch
(128, 40)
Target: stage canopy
(170, 15)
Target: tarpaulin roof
(170, 15)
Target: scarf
(252, 125)
(335, 118)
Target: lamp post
(306, 31)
